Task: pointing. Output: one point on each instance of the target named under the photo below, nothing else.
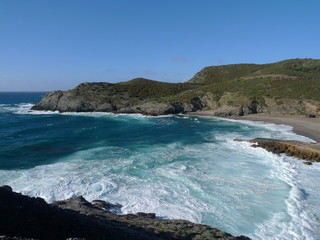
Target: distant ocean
(175, 166)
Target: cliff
(136, 96)
(287, 87)
(23, 217)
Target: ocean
(183, 167)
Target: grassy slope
(297, 79)
(291, 79)
(145, 88)
(138, 88)
(215, 74)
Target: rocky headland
(23, 217)
(287, 87)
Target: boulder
(76, 218)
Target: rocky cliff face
(23, 217)
(105, 97)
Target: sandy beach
(309, 127)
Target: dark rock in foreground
(33, 218)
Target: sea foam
(192, 169)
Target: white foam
(21, 108)
(15, 107)
(303, 221)
(217, 183)
(25, 108)
(277, 130)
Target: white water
(226, 184)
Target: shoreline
(308, 127)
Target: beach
(309, 127)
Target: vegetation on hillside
(297, 79)
(290, 86)
(145, 88)
(291, 79)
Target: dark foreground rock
(23, 217)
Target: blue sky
(49, 45)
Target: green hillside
(215, 74)
(286, 87)
(146, 88)
(294, 79)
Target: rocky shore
(23, 217)
(309, 152)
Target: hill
(286, 87)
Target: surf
(175, 166)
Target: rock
(301, 150)
(16, 238)
(6, 188)
(31, 218)
(307, 163)
(116, 98)
(114, 208)
(76, 218)
(146, 215)
(166, 229)
(120, 98)
(76, 239)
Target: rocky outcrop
(106, 97)
(225, 110)
(310, 152)
(33, 218)
(115, 98)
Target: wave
(303, 221)
(25, 108)
(175, 181)
(16, 108)
(281, 130)
(226, 184)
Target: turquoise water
(176, 166)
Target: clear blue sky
(49, 45)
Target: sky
(50, 45)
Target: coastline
(308, 127)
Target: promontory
(286, 87)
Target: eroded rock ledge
(33, 218)
(310, 152)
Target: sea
(179, 167)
